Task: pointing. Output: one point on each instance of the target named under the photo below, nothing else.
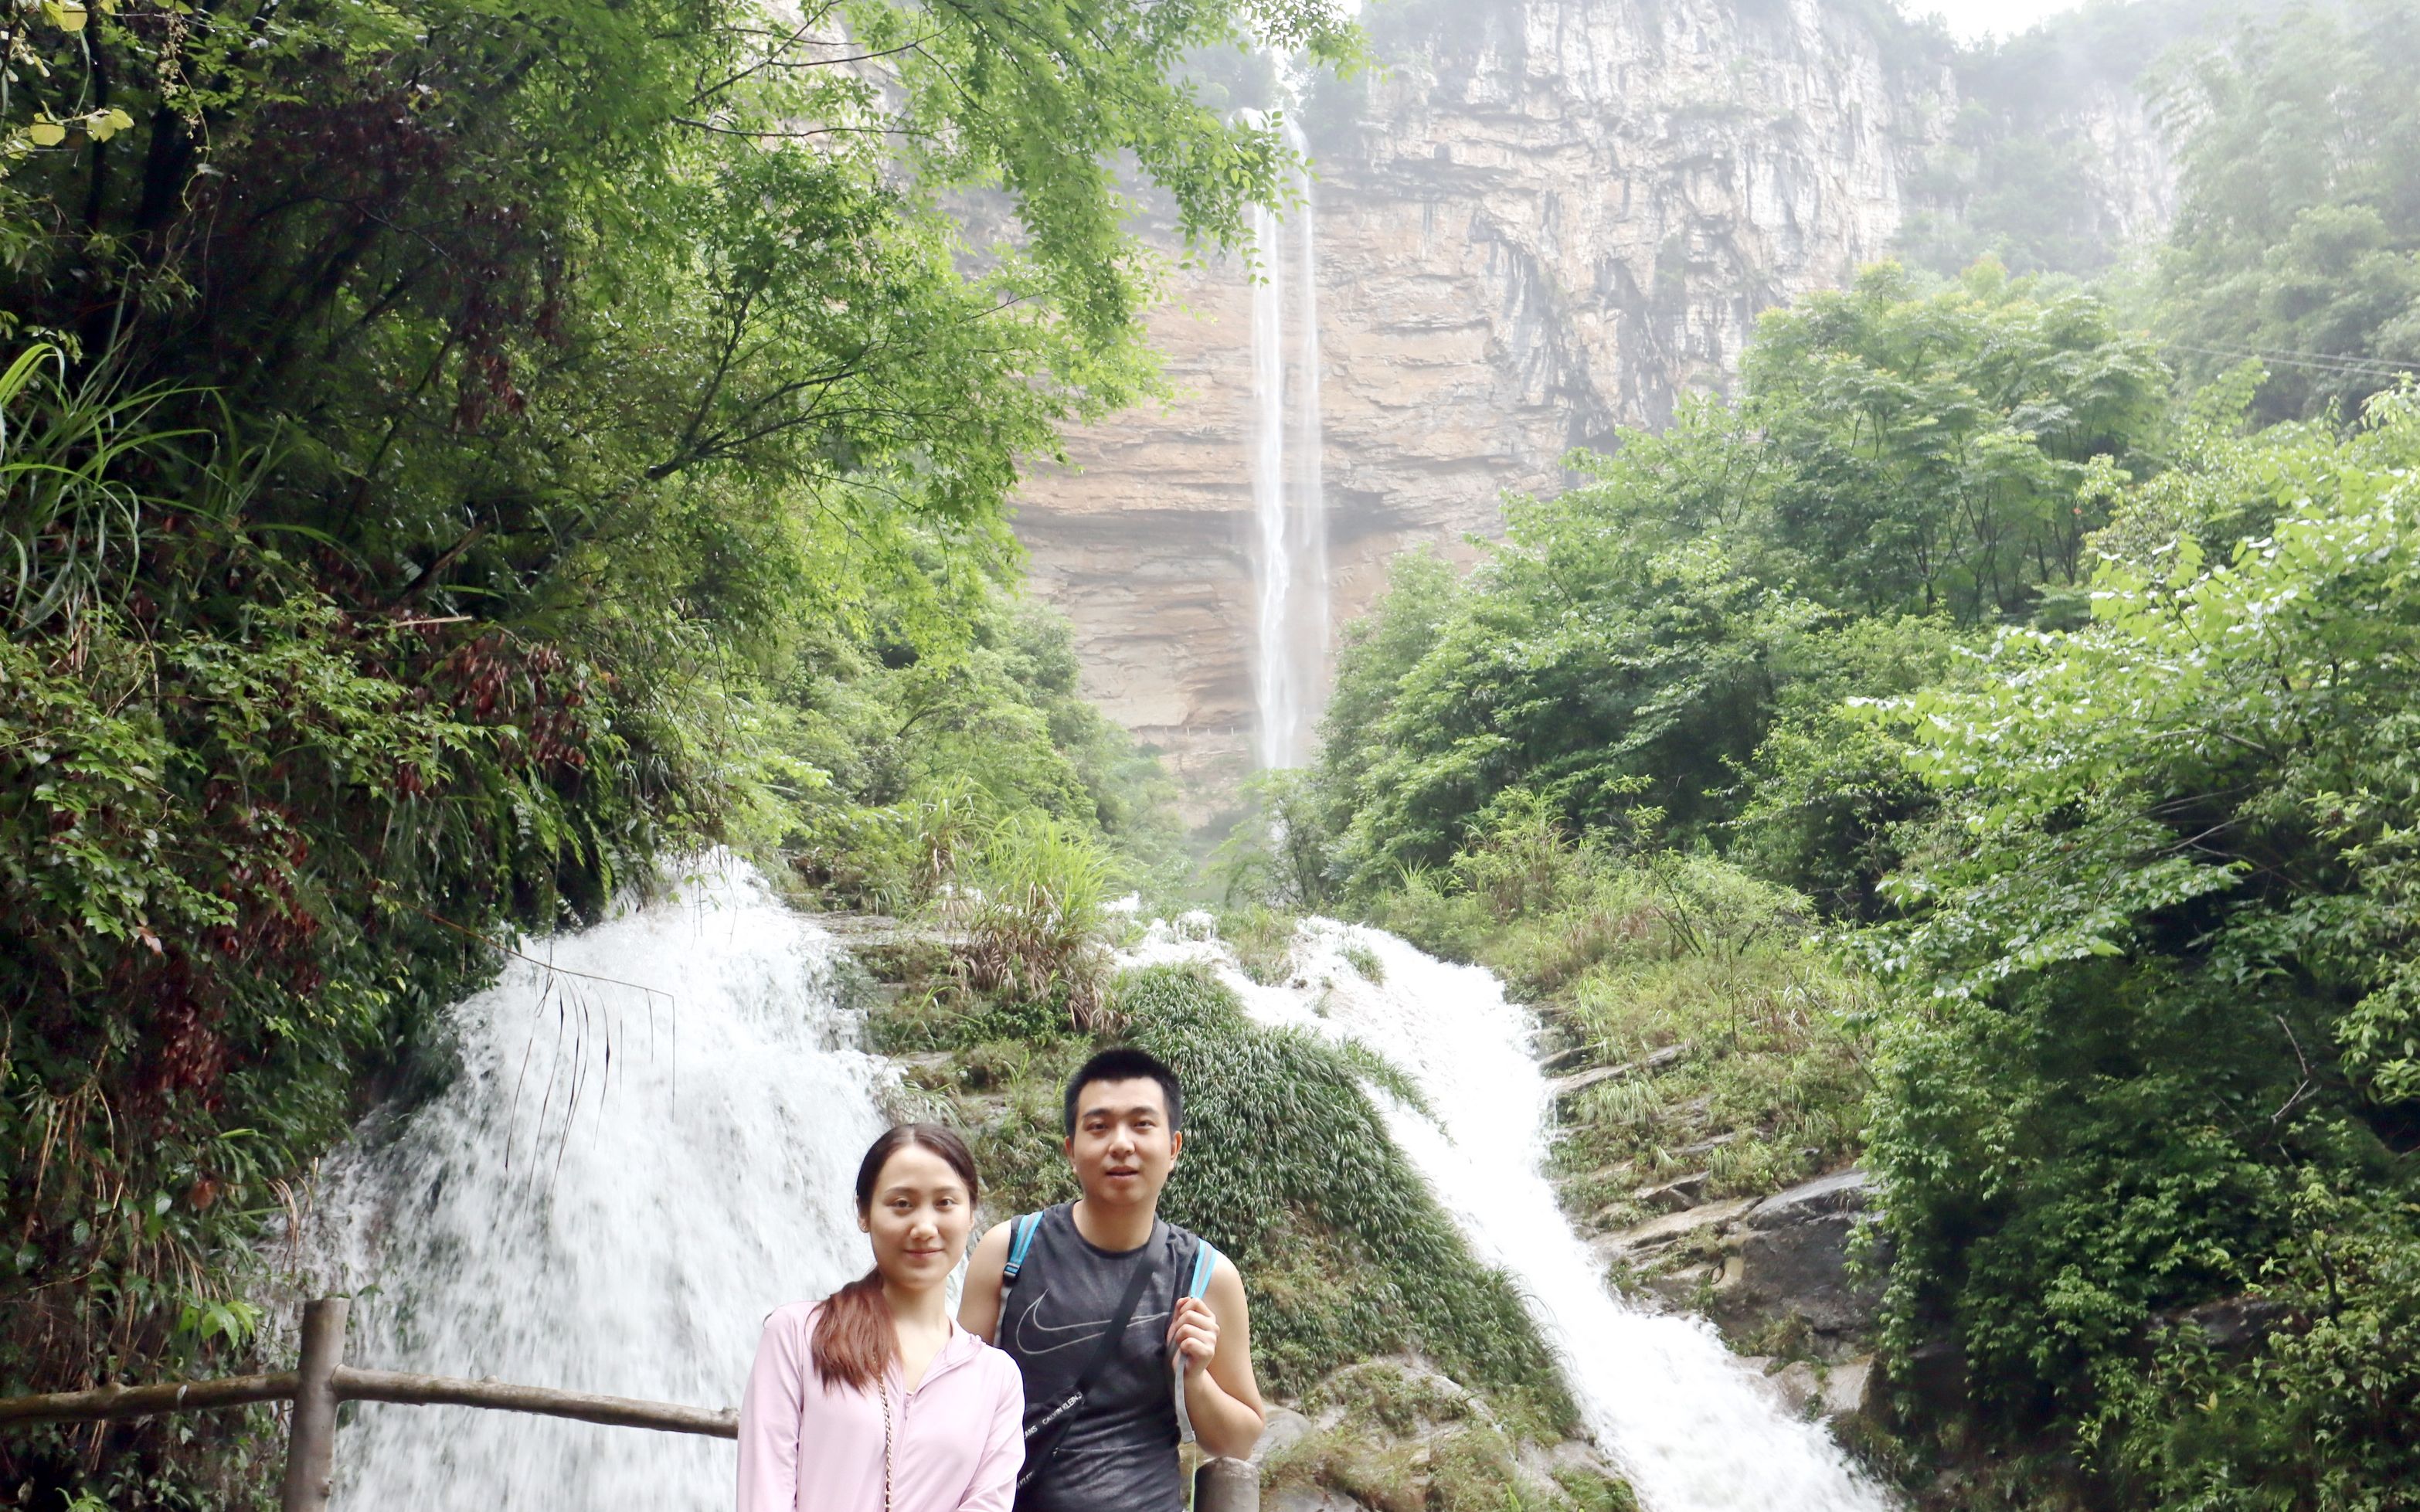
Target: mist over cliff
(1540, 220)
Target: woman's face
(919, 1219)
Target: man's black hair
(1126, 1064)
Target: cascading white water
(1273, 679)
(1692, 1430)
(1307, 521)
(617, 1223)
(622, 1222)
(1289, 493)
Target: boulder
(1676, 1195)
(1846, 1190)
(1306, 1498)
(1563, 1089)
(1658, 1234)
(2234, 1326)
(1792, 1261)
(1281, 1430)
(1851, 1389)
(1833, 1392)
(1794, 1385)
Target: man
(1116, 1452)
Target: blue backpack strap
(1020, 1238)
(1205, 1261)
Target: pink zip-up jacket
(958, 1440)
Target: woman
(873, 1399)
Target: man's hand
(1220, 1396)
(1193, 1332)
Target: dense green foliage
(2164, 1044)
(462, 454)
(1938, 455)
(2297, 237)
(2087, 714)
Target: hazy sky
(1972, 19)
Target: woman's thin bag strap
(886, 1446)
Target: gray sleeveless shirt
(1119, 1454)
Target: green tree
(2297, 239)
(1938, 453)
(1941, 441)
(450, 431)
(2158, 1044)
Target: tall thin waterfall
(1690, 1425)
(1289, 496)
(635, 1165)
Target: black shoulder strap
(1042, 1437)
(1116, 1336)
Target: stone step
(1563, 1089)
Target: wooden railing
(321, 1382)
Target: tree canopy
(461, 453)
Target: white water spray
(618, 1224)
(1289, 495)
(1690, 1425)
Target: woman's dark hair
(854, 1340)
(1123, 1063)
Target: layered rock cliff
(1544, 219)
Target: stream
(650, 1145)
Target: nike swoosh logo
(1085, 1333)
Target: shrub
(1034, 918)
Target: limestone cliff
(1545, 219)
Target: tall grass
(1035, 918)
(88, 477)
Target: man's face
(1122, 1146)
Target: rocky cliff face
(1548, 218)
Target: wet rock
(2234, 1326)
(1792, 1252)
(1795, 1385)
(1850, 1389)
(1659, 1234)
(1281, 1430)
(1563, 1089)
(1306, 1498)
(1807, 1389)
(1847, 1190)
(1570, 1059)
(1707, 1146)
(1676, 1195)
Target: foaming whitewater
(1691, 1427)
(1307, 521)
(636, 1164)
(1288, 494)
(1273, 590)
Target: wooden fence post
(1227, 1485)
(311, 1436)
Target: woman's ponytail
(855, 1341)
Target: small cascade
(646, 1151)
(1691, 1427)
(1289, 503)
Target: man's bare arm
(979, 1303)
(1221, 1396)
